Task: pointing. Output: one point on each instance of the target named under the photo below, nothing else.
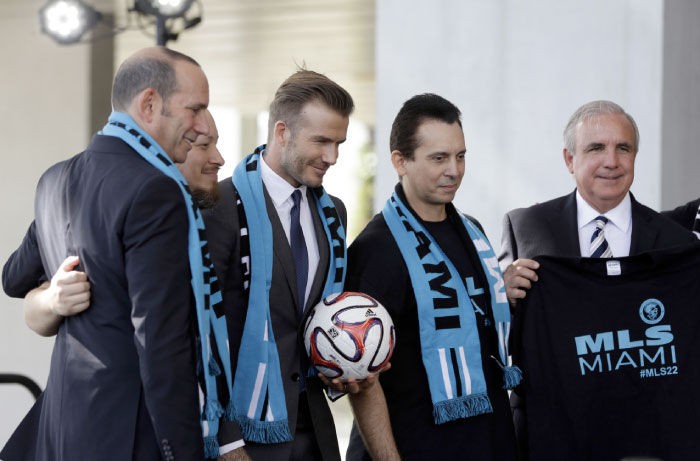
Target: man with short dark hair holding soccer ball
(437, 275)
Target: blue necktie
(599, 246)
(298, 244)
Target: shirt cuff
(230, 447)
(334, 395)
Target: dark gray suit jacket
(223, 229)
(684, 214)
(122, 379)
(551, 229)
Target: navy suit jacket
(122, 380)
(223, 228)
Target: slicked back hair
(595, 109)
(302, 87)
(137, 74)
(422, 107)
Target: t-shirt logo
(648, 350)
(652, 311)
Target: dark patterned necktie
(299, 253)
(599, 246)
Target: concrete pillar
(680, 166)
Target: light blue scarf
(257, 389)
(449, 337)
(204, 281)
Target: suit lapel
(644, 233)
(323, 252)
(564, 227)
(281, 249)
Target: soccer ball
(349, 335)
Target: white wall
(43, 119)
(518, 70)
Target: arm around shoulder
(67, 294)
(23, 271)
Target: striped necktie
(599, 246)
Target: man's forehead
(604, 121)
(431, 130)
(191, 80)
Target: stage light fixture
(66, 21)
(164, 8)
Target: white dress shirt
(281, 194)
(618, 230)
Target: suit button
(295, 377)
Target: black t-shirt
(376, 267)
(610, 362)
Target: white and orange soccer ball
(349, 335)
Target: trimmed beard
(206, 198)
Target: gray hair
(594, 109)
(137, 74)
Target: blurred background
(516, 69)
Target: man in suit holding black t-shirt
(601, 143)
(600, 218)
(401, 416)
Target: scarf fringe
(212, 409)
(230, 412)
(461, 407)
(511, 377)
(214, 368)
(264, 431)
(211, 447)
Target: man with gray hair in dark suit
(600, 218)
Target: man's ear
(148, 103)
(282, 133)
(399, 162)
(569, 160)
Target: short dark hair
(302, 87)
(427, 106)
(137, 74)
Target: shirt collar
(620, 216)
(278, 188)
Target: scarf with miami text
(449, 337)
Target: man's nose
(200, 123)
(330, 154)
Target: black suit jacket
(122, 379)
(551, 229)
(684, 214)
(223, 229)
